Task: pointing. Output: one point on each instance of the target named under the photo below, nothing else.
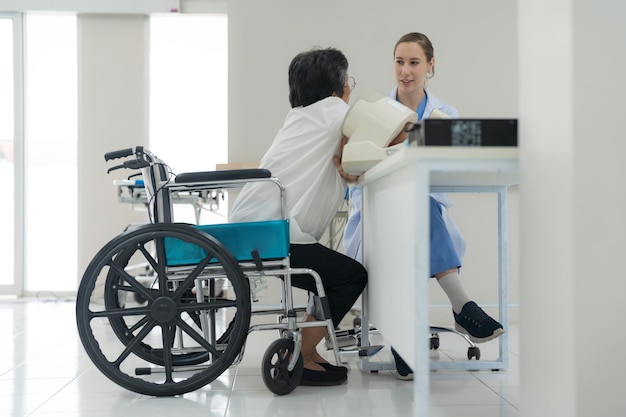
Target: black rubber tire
(275, 363)
(154, 324)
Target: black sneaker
(403, 371)
(477, 324)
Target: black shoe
(322, 378)
(403, 371)
(477, 324)
(333, 368)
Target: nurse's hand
(344, 174)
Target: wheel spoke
(120, 312)
(139, 324)
(166, 335)
(147, 255)
(191, 278)
(197, 337)
(134, 342)
(136, 285)
(160, 266)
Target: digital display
(466, 132)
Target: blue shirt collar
(422, 106)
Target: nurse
(414, 64)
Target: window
(188, 129)
(7, 151)
(50, 152)
(189, 93)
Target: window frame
(17, 286)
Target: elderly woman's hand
(344, 174)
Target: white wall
(573, 193)
(475, 47)
(111, 116)
(476, 70)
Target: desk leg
(503, 292)
(366, 364)
(421, 231)
(503, 279)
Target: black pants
(344, 278)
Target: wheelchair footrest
(370, 350)
(344, 338)
(343, 341)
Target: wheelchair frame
(170, 331)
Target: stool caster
(473, 352)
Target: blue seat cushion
(269, 238)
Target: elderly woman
(304, 157)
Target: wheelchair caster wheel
(276, 376)
(434, 342)
(473, 352)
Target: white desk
(396, 240)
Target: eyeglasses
(351, 83)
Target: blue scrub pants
(443, 256)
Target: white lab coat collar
(432, 103)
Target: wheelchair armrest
(225, 175)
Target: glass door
(11, 167)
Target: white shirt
(301, 156)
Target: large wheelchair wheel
(118, 294)
(164, 329)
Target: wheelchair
(150, 311)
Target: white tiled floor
(44, 371)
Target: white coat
(353, 233)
